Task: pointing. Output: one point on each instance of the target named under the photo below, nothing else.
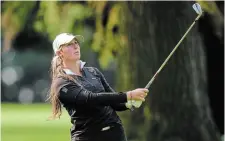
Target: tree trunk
(178, 100)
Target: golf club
(198, 10)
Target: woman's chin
(76, 58)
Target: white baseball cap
(65, 38)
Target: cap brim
(79, 38)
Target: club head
(197, 8)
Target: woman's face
(70, 51)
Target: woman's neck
(73, 66)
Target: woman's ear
(59, 53)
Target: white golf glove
(135, 103)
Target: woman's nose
(75, 46)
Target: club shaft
(164, 63)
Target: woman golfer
(85, 94)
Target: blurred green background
(29, 122)
(127, 41)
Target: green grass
(29, 123)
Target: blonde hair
(56, 72)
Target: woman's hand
(137, 94)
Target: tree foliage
(108, 39)
(54, 17)
(13, 19)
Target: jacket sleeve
(72, 93)
(116, 106)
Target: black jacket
(90, 101)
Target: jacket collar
(69, 72)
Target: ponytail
(56, 67)
(56, 71)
